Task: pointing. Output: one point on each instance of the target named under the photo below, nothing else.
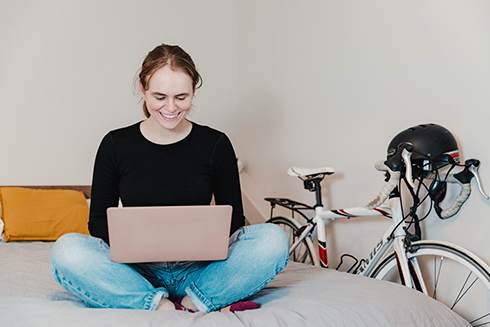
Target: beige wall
(306, 83)
(67, 71)
(329, 83)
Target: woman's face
(169, 97)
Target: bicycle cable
(415, 196)
(342, 261)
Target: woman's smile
(169, 116)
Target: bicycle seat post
(313, 185)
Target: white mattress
(300, 296)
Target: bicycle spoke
(460, 296)
(462, 291)
(293, 240)
(437, 274)
(302, 252)
(453, 276)
(303, 258)
(484, 324)
(480, 318)
(299, 254)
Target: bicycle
(447, 272)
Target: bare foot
(188, 304)
(165, 304)
(225, 309)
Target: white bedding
(300, 296)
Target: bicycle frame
(394, 236)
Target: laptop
(174, 233)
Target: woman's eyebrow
(163, 94)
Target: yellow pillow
(42, 215)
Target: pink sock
(237, 306)
(242, 306)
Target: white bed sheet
(300, 296)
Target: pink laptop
(175, 233)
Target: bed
(301, 295)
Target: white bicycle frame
(388, 204)
(394, 235)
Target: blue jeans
(256, 254)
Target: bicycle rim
(304, 252)
(452, 275)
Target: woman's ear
(142, 89)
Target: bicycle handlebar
(394, 179)
(464, 178)
(393, 166)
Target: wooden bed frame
(86, 189)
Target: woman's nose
(171, 106)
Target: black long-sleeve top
(141, 173)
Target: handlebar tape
(458, 202)
(387, 188)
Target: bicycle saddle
(308, 172)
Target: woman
(168, 160)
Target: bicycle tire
(463, 286)
(304, 252)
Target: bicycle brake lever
(408, 166)
(474, 170)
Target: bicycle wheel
(452, 275)
(305, 251)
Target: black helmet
(434, 147)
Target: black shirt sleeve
(226, 181)
(105, 192)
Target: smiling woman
(167, 160)
(167, 81)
